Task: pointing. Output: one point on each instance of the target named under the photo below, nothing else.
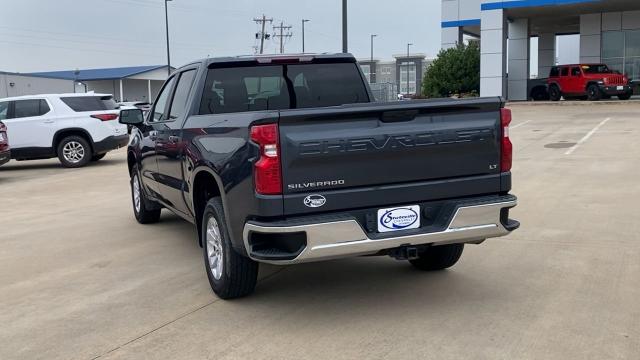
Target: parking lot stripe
(587, 137)
(521, 124)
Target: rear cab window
(90, 103)
(281, 87)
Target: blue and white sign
(396, 219)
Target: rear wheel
(230, 274)
(625, 96)
(438, 257)
(98, 157)
(554, 93)
(145, 211)
(594, 93)
(74, 151)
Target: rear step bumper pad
(345, 238)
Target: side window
(575, 71)
(179, 103)
(555, 72)
(565, 71)
(29, 108)
(159, 113)
(44, 107)
(4, 110)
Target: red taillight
(266, 173)
(3, 134)
(506, 158)
(105, 117)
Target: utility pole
(261, 35)
(303, 21)
(372, 37)
(282, 35)
(345, 38)
(407, 64)
(166, 21)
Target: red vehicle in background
(5, 153)
(590, 81)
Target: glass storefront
(621, 51)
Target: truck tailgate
(390, 153)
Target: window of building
(366, 69)
(621, 52)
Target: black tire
(238, 275)
(145, 211)
(539, 93)
(625, 96)
(438, 257)
(554, 93)
(98, 157)
(74, 151)
(594, 93)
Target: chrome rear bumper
(344, 238)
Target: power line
(262, 35)
(282, 35)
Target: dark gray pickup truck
(286, 159)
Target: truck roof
(267, 58)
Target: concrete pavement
(80, 279)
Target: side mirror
(133, 117)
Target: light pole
(166, 21)
(372, 36)
(303, 21)
(407, 65)
(345, 41)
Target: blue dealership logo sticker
(401, 218)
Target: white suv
(77, 128)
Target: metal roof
(98, 74)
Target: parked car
(591, 81)
(5, 152)
(76, 128)
(142, 105)
(315, 170)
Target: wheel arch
(206, 184)
(131, 161)
(556, 84)
(62, 133)
(589, 83)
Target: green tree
(455, 71)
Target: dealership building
(609, 32)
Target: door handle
(48, 121)
(174, 139)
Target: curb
(573, 103)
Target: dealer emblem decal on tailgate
(315, 201)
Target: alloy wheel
(214, 248)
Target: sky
(45, 35)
